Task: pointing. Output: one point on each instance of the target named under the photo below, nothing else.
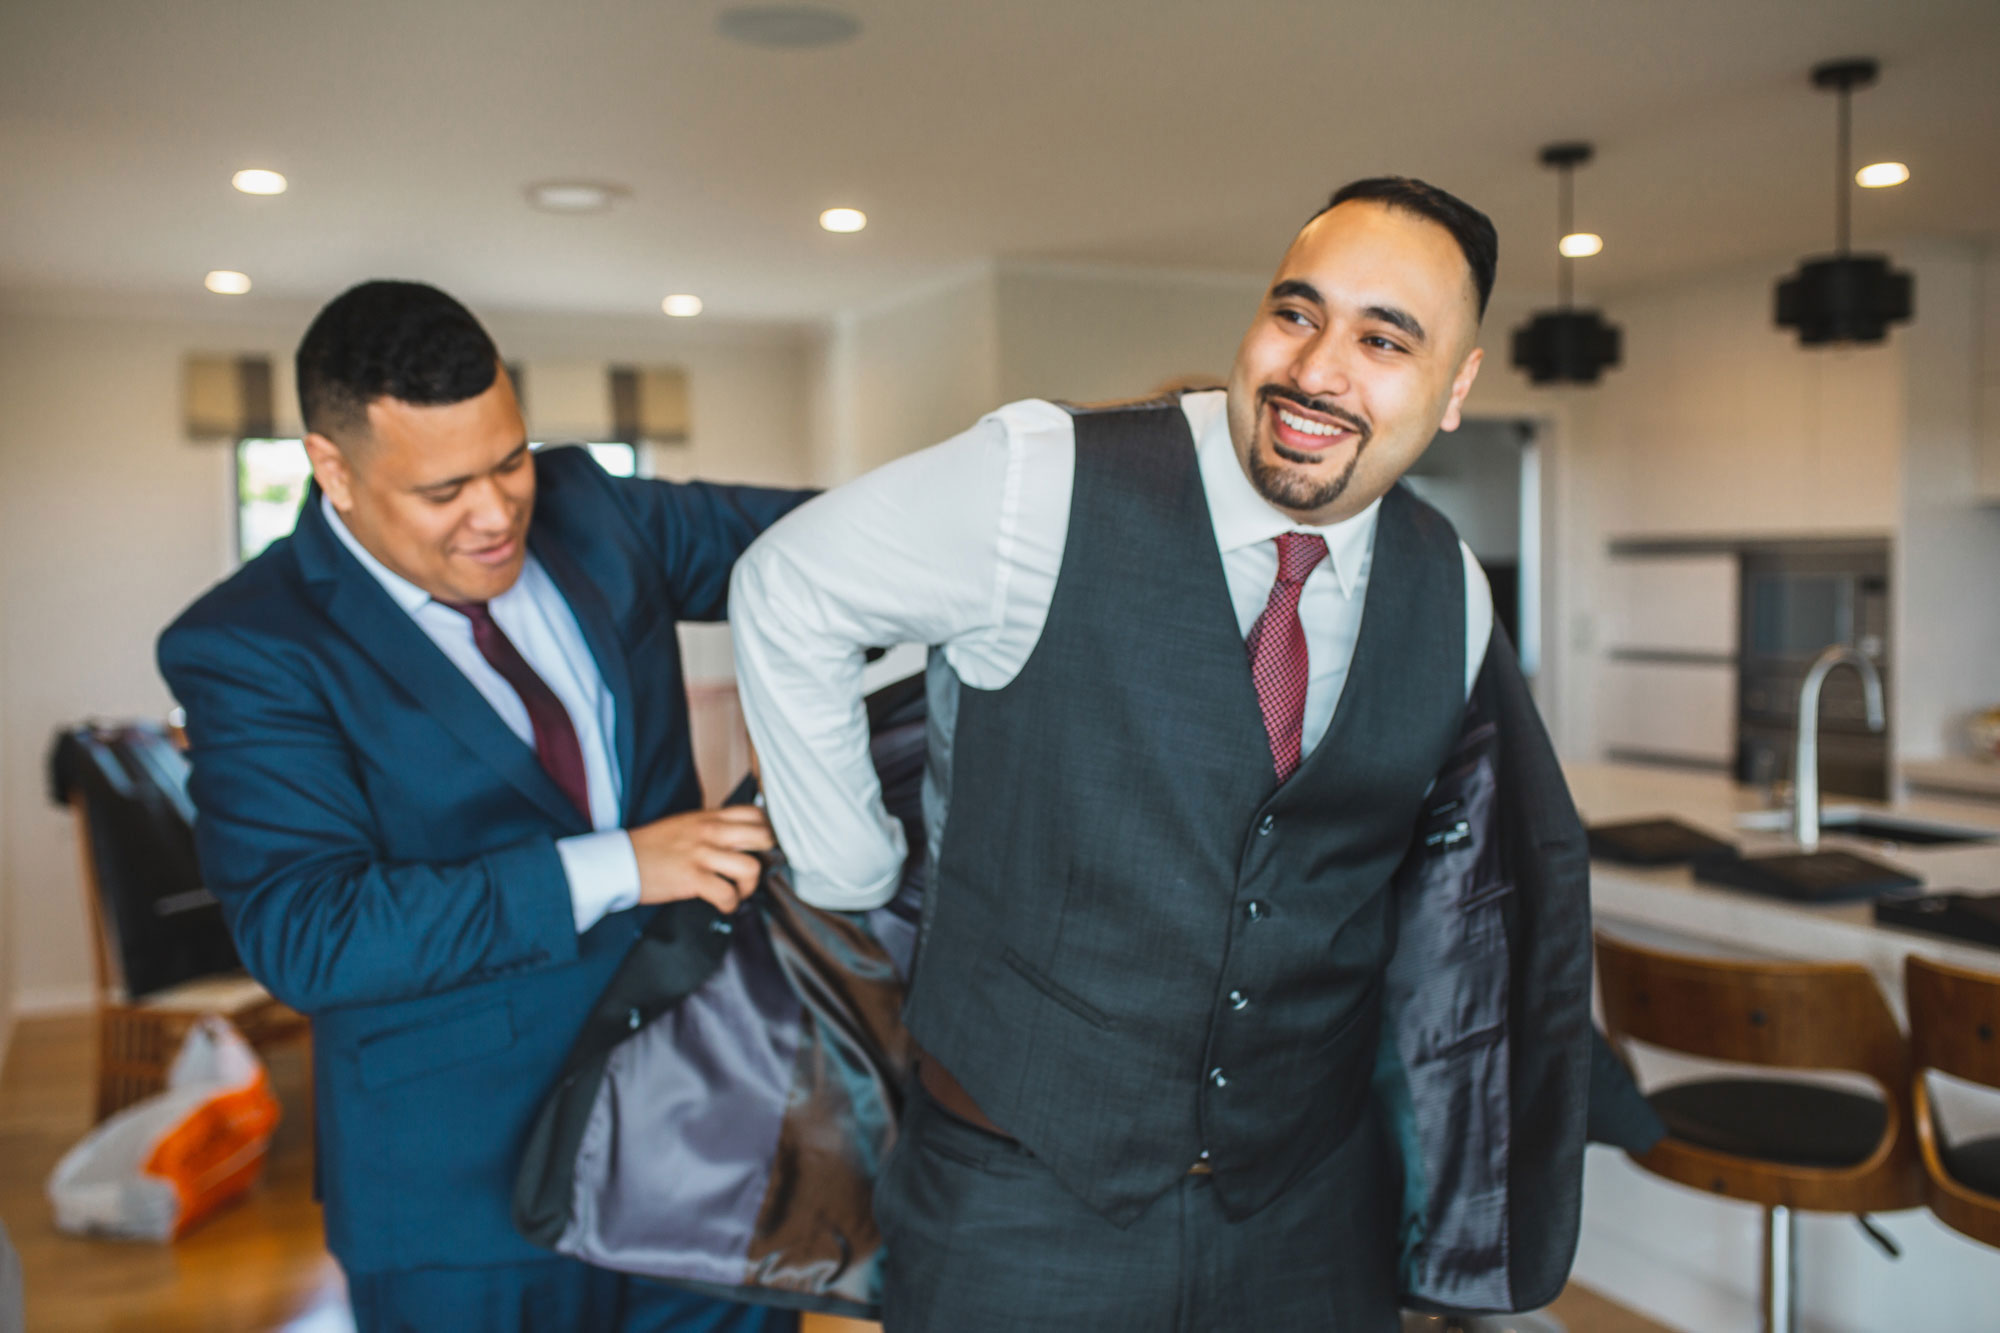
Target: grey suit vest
(1141, 949)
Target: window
(620, 460)
(271, 478)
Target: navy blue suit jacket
(385, 848)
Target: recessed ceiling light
(1580, 244)
(787, 27)
(258, 181)
(843, 219)
(227, 282)
(576, 196)
(682, 306)
(1880, 175)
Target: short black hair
(1472, 229)
(402, 340)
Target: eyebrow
(450, 482)
(1401, 319)
(1305, 291)
(1387, 314)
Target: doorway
(1486, 478)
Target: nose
(1320, 369)
(491, 512)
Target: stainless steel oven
(1797, 599)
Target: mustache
(1354, 423)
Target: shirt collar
(406, 594)
(1243, 518)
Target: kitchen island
(1689, 1259)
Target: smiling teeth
(1304, 427)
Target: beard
(1298, 491)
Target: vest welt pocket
(1062, 995)
(405, 1053)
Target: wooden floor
(262, 1265)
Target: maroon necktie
(1277, 647)
(556, 745)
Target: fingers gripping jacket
(759, 1059)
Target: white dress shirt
(602, 870)
(960, 546)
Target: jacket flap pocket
(409, 1052)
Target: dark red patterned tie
(1277, 647)
(556, 745)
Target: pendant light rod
(1565, 266)
(1842, 77)
(1843, 157)
(1565, 158)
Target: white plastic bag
(160, 1165)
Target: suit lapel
(365, 612)
(600, 632)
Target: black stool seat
(1795, 1124)
(1975, 1165)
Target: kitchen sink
(1849, 821)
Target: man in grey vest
(1253, 983)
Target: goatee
(1299, 492)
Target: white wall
(111, 521)
(1989, 377)
(892, 378)
(1720, 425)
(6, 893)
(1089, 333)
(1948, 550)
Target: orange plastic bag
(161, 1165)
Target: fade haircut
(1472, 229)
(401, 340)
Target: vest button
(1238, 1000)
(1265, 825)
(1255, 910)
(1218, 1078)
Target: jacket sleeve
(286, 841)
(697, 530)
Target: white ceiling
(1151, 132)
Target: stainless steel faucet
(1805, 762)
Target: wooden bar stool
(1779, 1143)
(1955, 1029)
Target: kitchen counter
(1669, 902)
(1956, 776)
(1689, 1259)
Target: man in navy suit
(440, 755)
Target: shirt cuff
(603, 874)
(861, 888)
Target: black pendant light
(1565, 345)
(1842, 297)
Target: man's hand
(704, 854)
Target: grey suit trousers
(982, 1239)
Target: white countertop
(1667, 907)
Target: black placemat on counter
(1654, 842)
(1809, 877)
(1971, 917)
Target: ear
(1461, 385)
(330, 470)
